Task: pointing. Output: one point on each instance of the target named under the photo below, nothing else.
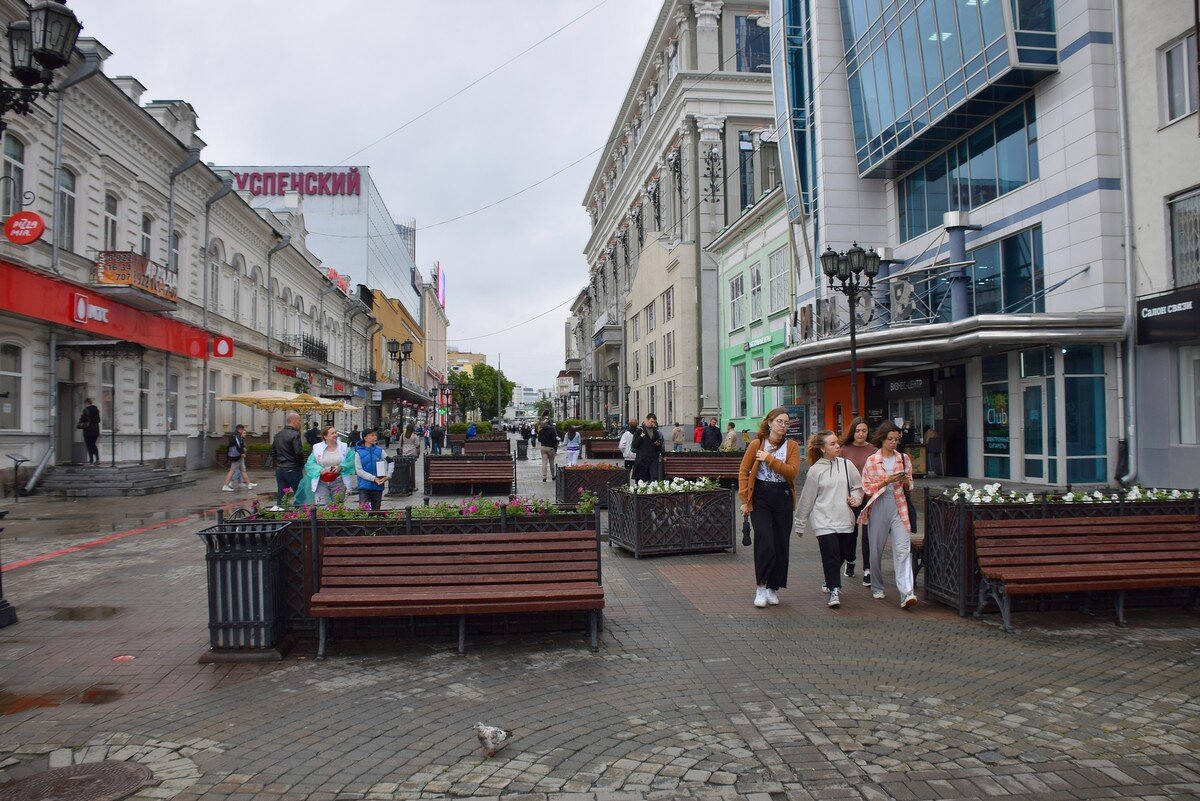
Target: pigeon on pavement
(492, 738)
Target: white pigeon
(492, 738)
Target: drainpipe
(284, 241)
(1129, 374)
(226, 188)
(374, 329)
(193, 158)
(91, 66)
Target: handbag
(746, 532)
(82, 423)
(912, 507)
(233, 453)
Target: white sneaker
(909, 600)
(275, 509)
(251, 486)
(760, 598)
(834, 600)
(772, 598)
(226, 488)
(824, 588)
(877, 594)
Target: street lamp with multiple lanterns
(37, 47)
(848, 269)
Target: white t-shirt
(889, 464)
(765, 473)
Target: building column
(708, 34)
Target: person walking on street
(235, 451)
(698, 432)
(410, 451)
(573, 442)
(677, 438)
(856, 448)
(436, 435)
(887, 479)
(626, 446)
(313, 435)
(368, 459)
(768, 468)
(647, 447)
(548, 442)
(89, 421)
(832, 490)
(355, 437)
(730, 443)
(710, 440)
(288, 454)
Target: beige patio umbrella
(273, 399)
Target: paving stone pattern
(694, 694)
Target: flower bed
(572, 482)
(653, 518)
(951, 566)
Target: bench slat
(470, 608)
(1086, 572)
(353, 542)
(339, 582)
(456, 594)
(482, 548)
(512, 561)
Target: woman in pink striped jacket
(887, 477)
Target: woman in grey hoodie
(832, 488)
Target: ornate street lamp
(36, 48)
(848, 268)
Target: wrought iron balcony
(308, 349)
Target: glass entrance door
(1033, 423)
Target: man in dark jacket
(313, 435)
(548, 441)
(288, 452)
(710, 440)
(647, 446)
(91, 430)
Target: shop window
(760, 397)
(173, 402)
(1085, 422)
(996, 430)
(1185, 238)
(11, 358)
(1177, 79)
(753, 44)
(1189, 394)
(14, 168)
(65, 219)
(213, 380)
(108, 386)
(111, 207)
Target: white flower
(1029, 497)
(1098, 495)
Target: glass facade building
(792, 71)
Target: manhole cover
(96, 781)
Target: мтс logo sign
(82, 311)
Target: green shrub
(481, 427)
(580, 425)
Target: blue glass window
(753, 45)
(1034, 15)
(936, 192)
(1011, 150)
(982, 145)
(931, 54)
(988, 294)
(1007, 276)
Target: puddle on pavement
(99, 694)
(13, 703)
(85, 612)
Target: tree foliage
(478, 391)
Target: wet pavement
(694, 693)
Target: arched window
(10, 385)
(214, 279)
(147, 234)
(14, 168)
(65, 219)
(111, 208)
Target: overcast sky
(311, 82)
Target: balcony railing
(308, 347)
(137, 280)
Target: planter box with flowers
(596, 478)
(301, 541)
(951, 565)
(670, 517)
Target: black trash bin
(404, 476)
(522, 449)
(245, 585)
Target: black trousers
(847, 545)
(866, 546)
(373, 497)
(92, 450)
(772, 521)
(831, 559)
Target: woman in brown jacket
(769, 467)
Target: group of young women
(851, 483)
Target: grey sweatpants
(885, 524)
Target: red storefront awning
(55, 300)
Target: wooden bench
(458, 574)
(469, 471)
(493, 446)
(596, 448)
(718, 466)
(1071, 555)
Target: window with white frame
(176, 239)
(11, 359)
(634, 328)
(760, 394)
(147, 234)
(214, 280)
(1189, 395)
(108, 394)
(235, 303)
(653, 404)
(672, 60)
(777, 263)
(1185, 237)
(213, 379)
(637, 364)
(669, 304)
(738, 390)
(669, 400)
(14, 168)
(111, 208)
(143, 399)
(669, 349)
(254, 307)
(756, 292)
(64, 222)
(1177, 79)
(737, 292)
(649, 315)
(652, 102)
(173, 402)
(651, 348)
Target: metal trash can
(404, 476)
(245, 584)
(523, 449)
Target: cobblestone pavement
(694, 694)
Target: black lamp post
(37, 47)
(848, 268)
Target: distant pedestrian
(532, 438)
(730, 443)
(573, 443)
(710, 438)
(832, 490)
(765, 477)
(313, 435)
(369, 459)
(698, 432)
(472, 431)
(89, 422)
(288, 454)
(933, 453)
(410, 443)
(856, 448)
(235, 451)
(437, 435)
(648, 447)
(677, 438)
(887, 479)
(354, 438)
(626, 445)
(548, 443)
